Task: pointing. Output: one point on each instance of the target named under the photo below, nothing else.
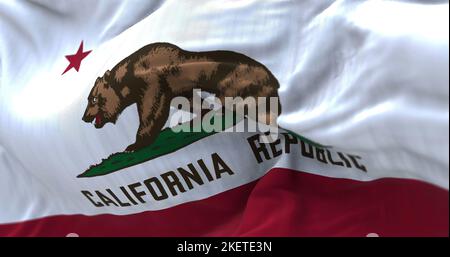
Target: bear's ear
(107, 74)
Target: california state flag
(92, 144)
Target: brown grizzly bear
(153, 75)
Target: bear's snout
(87, 118)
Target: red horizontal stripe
(282, 203)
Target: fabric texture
(364, 142)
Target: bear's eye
(94, 100)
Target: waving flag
(91, 143)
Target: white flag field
(92, 144)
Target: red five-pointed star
(75, 59)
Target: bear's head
(104, 102)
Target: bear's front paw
(131, 148)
